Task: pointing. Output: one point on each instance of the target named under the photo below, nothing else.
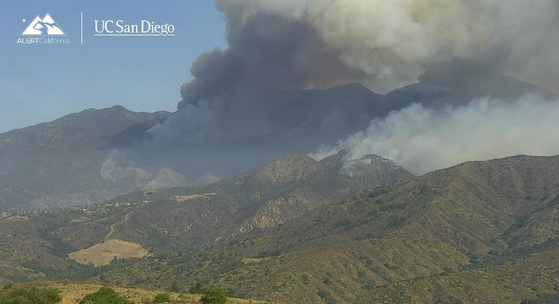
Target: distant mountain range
(95, 155)
(59, 164)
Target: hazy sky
(42, 82)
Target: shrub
(161, 298)
(214, 296)
(105, 295)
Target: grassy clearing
(73, 292)
(104, 253)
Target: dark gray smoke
(266, 53)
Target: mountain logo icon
(43, 27)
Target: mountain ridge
(451, 228)
(57, 164)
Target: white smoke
(424, 139)
(117, 166)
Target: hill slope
(476, 232)
(293, 185)
(480, 230)
(174, 220)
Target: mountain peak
(288, 168)
(374, 167)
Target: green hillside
(37, 243)
(479, 232)
(475, 224)
(187, 218)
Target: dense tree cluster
(29, 296)
(214, 296)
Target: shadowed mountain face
(283, 122)
(437, 89)
(59, 163)
(196, 140)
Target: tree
(105, 295)
(214, 296)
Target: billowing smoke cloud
(424, 139)
(386, 44)
(194, 125)
(381, 44)
(461, 46)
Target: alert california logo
(43, 31)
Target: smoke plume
(424, 139)
(381, 44)
(386, 44)
(457, 45)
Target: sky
(42, 82)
